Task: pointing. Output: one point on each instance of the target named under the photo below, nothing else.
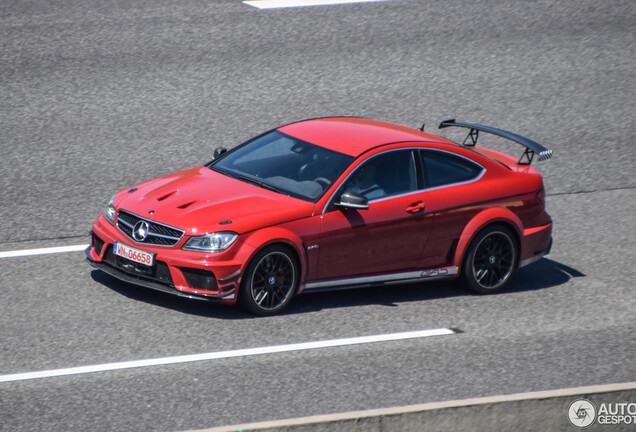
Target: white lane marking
(274, 4)
(226, 354)
(43, 251)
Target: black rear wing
(532, 147)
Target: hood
(199, 199)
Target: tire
(491, 260)
(270, 281)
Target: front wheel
(490, 260)
(269, 282)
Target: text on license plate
(133, 254)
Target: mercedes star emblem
(140, 231)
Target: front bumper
(193, 275)
(140, 280)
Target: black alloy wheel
(270, 281)
(491, 260)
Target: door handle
(415, 207)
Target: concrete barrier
(544, 410)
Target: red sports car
(326, 204)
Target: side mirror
(353, 200)
(219, 151)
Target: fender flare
(262, 238)
(479, 222)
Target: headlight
(214, 242)
(110, 211)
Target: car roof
(353, 135)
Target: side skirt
(387, 279)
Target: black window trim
(419, 173)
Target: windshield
(285, 164)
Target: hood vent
(166, 196)
(186, 205)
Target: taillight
(541, 196)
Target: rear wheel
(270, 281)
(490, 260)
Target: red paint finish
(384, 238)
(352, 135)
(422, 229)
(200, 199)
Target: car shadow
(165, 300)
(543, 274)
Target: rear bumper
(536, 243)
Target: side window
(391, 173)
(443, 168)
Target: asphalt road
(97, 96)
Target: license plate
(133, 254)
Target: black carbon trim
(531, 146)
(128, 278)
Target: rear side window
(442, 168)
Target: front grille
(158, 234)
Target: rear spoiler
(532, 147)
